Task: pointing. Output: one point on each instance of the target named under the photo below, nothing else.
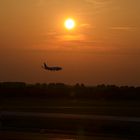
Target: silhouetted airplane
(51, 68)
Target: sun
(69, 24)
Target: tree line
(63, 91)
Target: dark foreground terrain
(60, 112)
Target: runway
(70, 116)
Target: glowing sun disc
(69, 24)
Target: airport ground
(27, 118)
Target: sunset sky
(103, 48)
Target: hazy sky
(104, 47)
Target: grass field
(100, 107)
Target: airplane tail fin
(45, 66)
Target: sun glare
(69, 24)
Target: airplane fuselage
(51, 68)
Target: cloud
(98, 5)
(98, 2)
(85, 25)
(124, 28)
(67, 42)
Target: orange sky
(104, 47)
